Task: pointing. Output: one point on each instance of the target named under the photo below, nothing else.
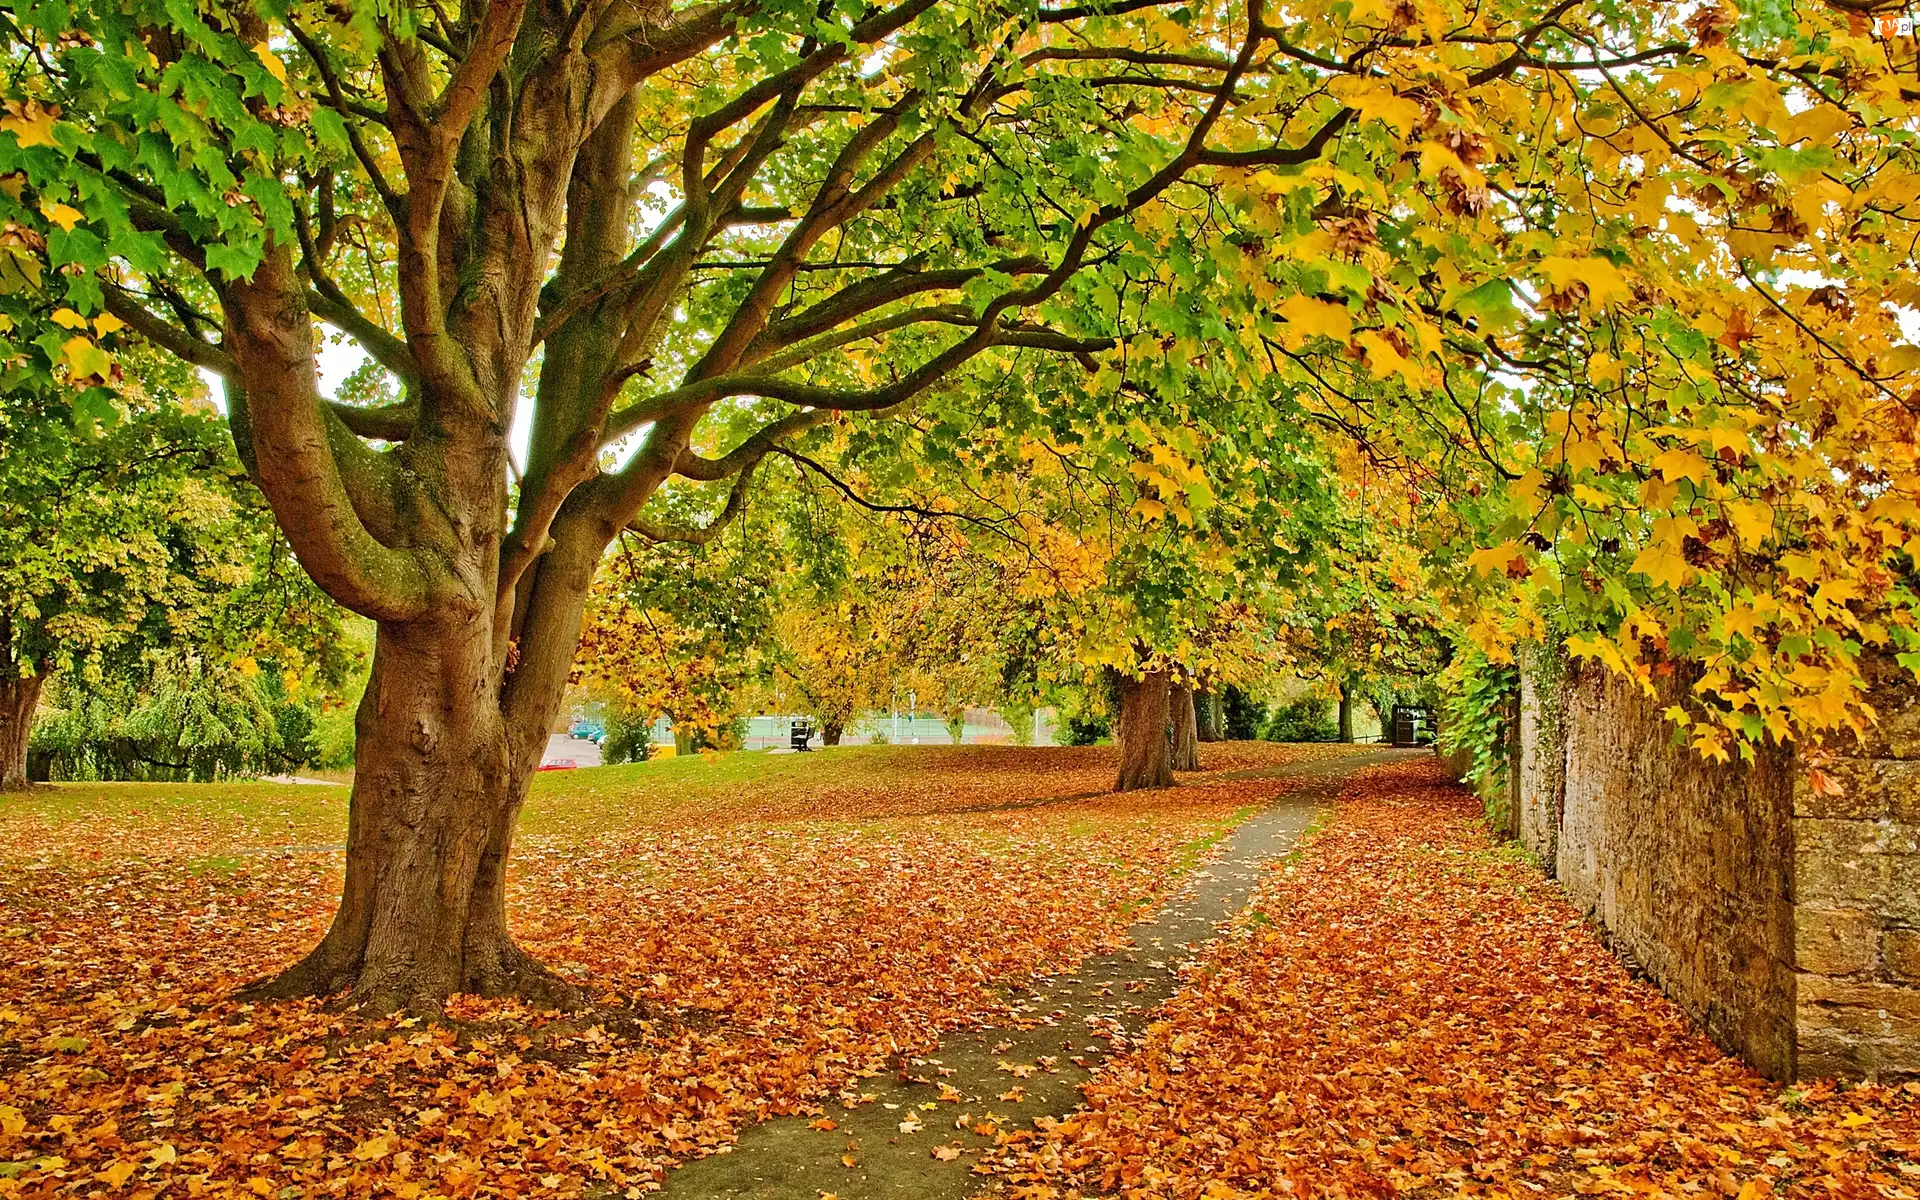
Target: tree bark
(19, 696)
(438, 786)
(1145, 758)
(830, 732)
(1346, 711)
(1185, 747)
(1206, 716)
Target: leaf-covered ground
(1408, 1009)
(760, 931)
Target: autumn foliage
(1410, 1008)
(755, 947)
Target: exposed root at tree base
(506, 972)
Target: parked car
(560, 764)
(587, 729)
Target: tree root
(499, 971)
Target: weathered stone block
(1901, 779)
(1839, 864)
(1902, 887)
(1835, 941)
(1824, 1053)
(1900, 951)
(1836, 998)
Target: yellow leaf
(373, 1148)
(1493, 558)
(85, 360)
(118, 1174)
(1598, 648)
(1726, 437)
(271, 61)
(1751, 519)
(164, 1154)
(1151, 510)
(34, 127)
(64, 215)
(1307, 317)
(1604, 282)
(1585, 454)
(66, 318)
(1384, 359)
(1375, 100)
(1681, 464)
(1740, 621)
(107, 323)
(13, 1122)
(1663, 565)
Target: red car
(560, 764)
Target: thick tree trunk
(1185, 746)
(830, 732)
(1206, 717)
(19, 696)
(1346, 711)
(1145, 761)
(438, 786)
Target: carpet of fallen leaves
(1410, 1010)
(753, 950)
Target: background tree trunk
(830, 732)
(1185, 748)
(19, 696)
(438, 785)
(1145, 761)
(1346, 711)
(1206, 716)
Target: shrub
(1307, 719)
(1241, 714)
(1084, 729)
(628, 732)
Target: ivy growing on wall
(1479, 705)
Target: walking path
(919, 1134)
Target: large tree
(668, 210)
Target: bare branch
(655, 531)
(164, 334)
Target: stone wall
(1857, 897)
(1540, 759)
(1688, 865)
(1784, 917)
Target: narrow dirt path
(915, 1135)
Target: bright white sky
(340, 357)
